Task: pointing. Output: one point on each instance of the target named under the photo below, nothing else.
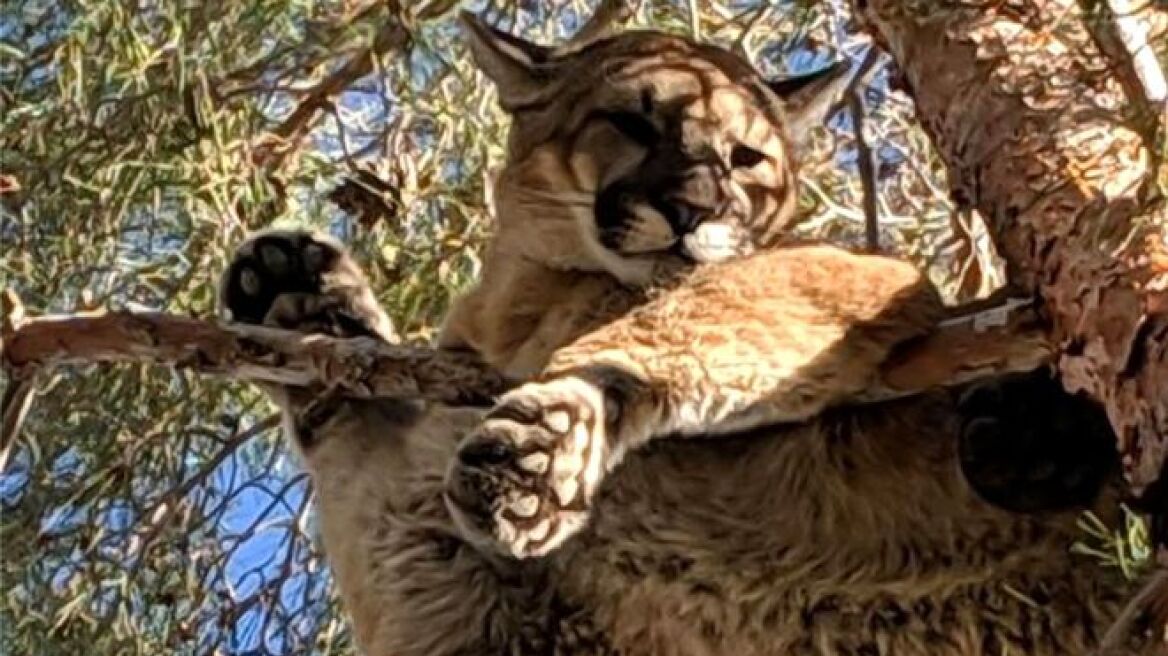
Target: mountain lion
(637, 273)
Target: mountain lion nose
(698, 198)
(687, 213)
(687, 217)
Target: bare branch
(963, 349)
(867, 173)
(360, 367)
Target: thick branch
(1030, 120)
(966, 348)
(361, 367)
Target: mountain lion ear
(510, 62)
(811, 97)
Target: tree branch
(392, 35)
(968, 347)
(360, 367)
(1029, 118)
(867, 173)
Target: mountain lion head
(625, 148)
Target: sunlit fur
(548, 275)
(851, 534)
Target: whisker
(557, 196)
(554, 207)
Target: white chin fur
(711, 242)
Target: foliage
(147, 511)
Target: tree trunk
(1033, 122)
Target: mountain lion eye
(634, 126)
(745, 157)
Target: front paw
(302, 281)
(524, 480)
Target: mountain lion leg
(303, 281)
(776, 337)
(410, 584)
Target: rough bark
(360, 367)
(1031, 121)
(983, 343)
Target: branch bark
(361, 367)
(965, 348)
(1029, 117)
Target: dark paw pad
(301, 281)
(1029, 446)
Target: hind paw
(1029, 446)
(301, 281)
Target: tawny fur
(546, 278)
(852, 533)
(773, 337)
(756, 341)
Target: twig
(391, 36)
(695, 21)
(19, 393)
(854, 99)
(13, 407)
(740, 43)
(1120, 629)
(867, 174)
